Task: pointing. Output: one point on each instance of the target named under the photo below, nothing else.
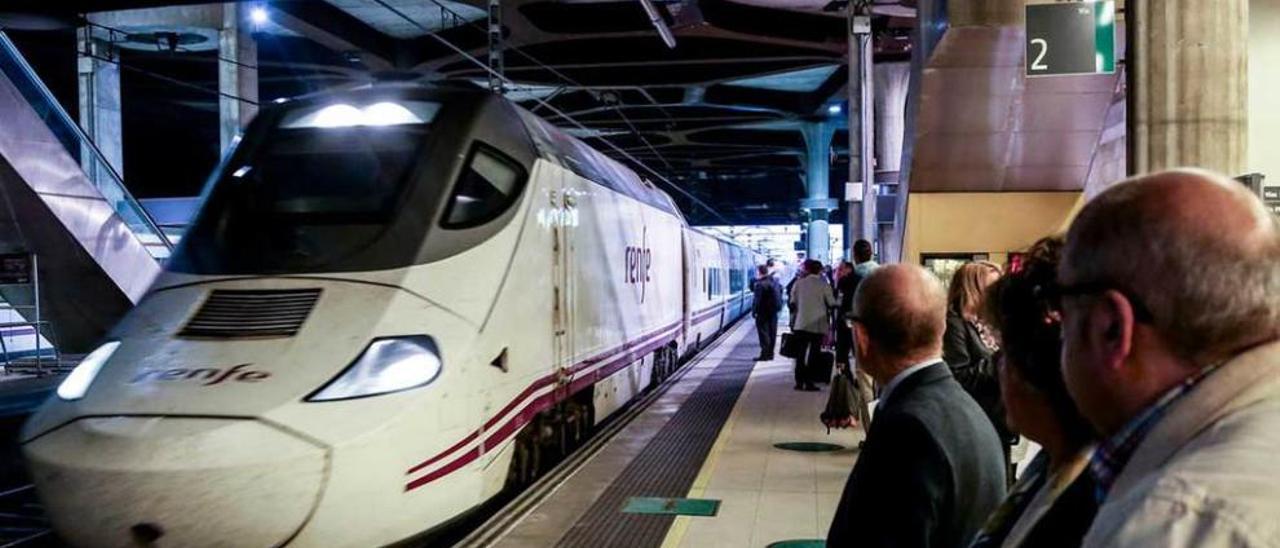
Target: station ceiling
(718, 115)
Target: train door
(688, 270)
(564, 207)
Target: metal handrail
(10, 53)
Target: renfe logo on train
(211, 375)
(639, 260)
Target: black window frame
(501, 157)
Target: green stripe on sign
(673, 507)
(1104, 35)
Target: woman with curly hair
(1053, 503)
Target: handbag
(840, 411)
(792, 346)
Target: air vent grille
(230, 313)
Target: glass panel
(80, 146)
(487, 187)
(318, 191)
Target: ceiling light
(258, 16)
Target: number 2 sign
(1071, 38)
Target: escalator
(97, 249)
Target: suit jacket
(1205, 475)
(930, 472)
(768, 297)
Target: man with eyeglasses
(1170, 298)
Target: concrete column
(237, 72)
(892, 83)
(99, 75)
(892, 80)
(1188, 84)
(817, 182)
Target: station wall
(1264, 80)
(995, 223)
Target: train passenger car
(394, 302)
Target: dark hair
(762, 269)
(847, 265)
(862, 251)
(1030, 331)
(812, 266)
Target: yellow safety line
(675, 535)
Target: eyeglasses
(1053, 294)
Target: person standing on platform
(765, 308)
(969, 344)
(813, 300)
(863, 261)
(931, 470)
(1170, 298)
(1054, 502)
(863, 265)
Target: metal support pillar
(99, 79)
(495, 47)
(861, 209)
(817, 139)
(237, 73)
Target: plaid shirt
(1111, 457)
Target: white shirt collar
(901, 376)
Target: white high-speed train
(392, 304)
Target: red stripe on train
(531, 410)
(538, 385)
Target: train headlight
(385, 366)
(77, 383)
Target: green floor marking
(675, 507)
(800, 543)
(808, 446)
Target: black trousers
(844, 341)
(811, 346)
(767, 331)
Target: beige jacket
(1208, 474)
(813, 299)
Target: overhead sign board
(1071, 38)
(1271, 193)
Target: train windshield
(311, 196)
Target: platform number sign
(1071, 38)
(1271, 196)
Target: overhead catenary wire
(554, 109)
(557, 73)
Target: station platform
(712, 436)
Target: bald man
(1170, 296)
(932, 467)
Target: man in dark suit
(765, 308)
(932, 468)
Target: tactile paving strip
(667, 466)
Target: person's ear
(861, 341)
(1111, 328)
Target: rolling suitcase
(822, 366)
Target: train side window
(487, 187)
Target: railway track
(22, 519)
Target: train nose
(175, 481)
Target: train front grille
(236, 313)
